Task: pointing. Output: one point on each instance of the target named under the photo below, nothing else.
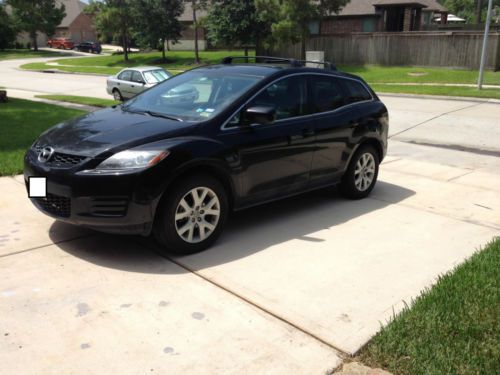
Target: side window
(125, 76)
(326, 94)
(357, 92)
(137, 77)
(287, 96)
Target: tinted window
(326, 94)
(287, 96)
(126, 75)
(356, 92)
(137, 77)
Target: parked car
(132, 81)
(90, 47)
(175, 168)
(60, 43)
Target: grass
(86, 100)
(11, 54)
(438, 90)
(22, 122)
(176, 60)
(452, 328)
(408, 74)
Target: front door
(275, 159)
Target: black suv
(90, 47)
(175, 165)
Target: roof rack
(269, 60)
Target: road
(291, 287)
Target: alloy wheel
(364, 172)
(197, 215)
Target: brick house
(76, 25)
(381, 15)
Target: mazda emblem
(45, 155)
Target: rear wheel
(192, 215)
(117, 95)
(361, 175)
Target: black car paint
(256, 164)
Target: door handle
(308, 133)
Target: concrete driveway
(291, 287)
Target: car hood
(109, 129)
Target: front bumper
(108, 203)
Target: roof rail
(270, 59)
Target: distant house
(76, 25)
(381, 15)
(186, 40)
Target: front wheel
(361, 175)
(192, 215)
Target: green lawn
(176, 60)
(452, 328)
(87, 100)
(438, 90)
(22, 122)
(398, 74)
(10, 54)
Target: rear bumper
(114, 204)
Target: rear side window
(356, 92)
(126, 75)
(137, 77)
(326, 94)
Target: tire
(182, 226)
(361, 175)
(117, 95)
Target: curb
(444, 97)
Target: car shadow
(247, 232)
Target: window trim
(224, 125)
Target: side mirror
(259, 115)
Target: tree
(7, 31)
(35, 16)
(290, 19)
(473, 11)
(232, 22)
(197, 5)
(157, 21)
(113, 18)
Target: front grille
(111, 206)
(55, 205)
(60, 159)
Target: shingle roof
(73, 9)
(363, 7)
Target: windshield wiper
(162, 115)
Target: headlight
(132, 159)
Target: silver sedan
(132, 81)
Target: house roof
(365, 7)
(73, 9)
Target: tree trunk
(479, 11)
(35, 42)
(246, 51)
(196, 52)
(163, 50)
(303, 45)
(125, 47)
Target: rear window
(356, 92)
(126, 75)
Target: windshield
(195, 95)
(155, 76)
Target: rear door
(333, 126)
(124, 82)
(137, 84)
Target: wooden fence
(457, 49)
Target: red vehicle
(61, 43)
